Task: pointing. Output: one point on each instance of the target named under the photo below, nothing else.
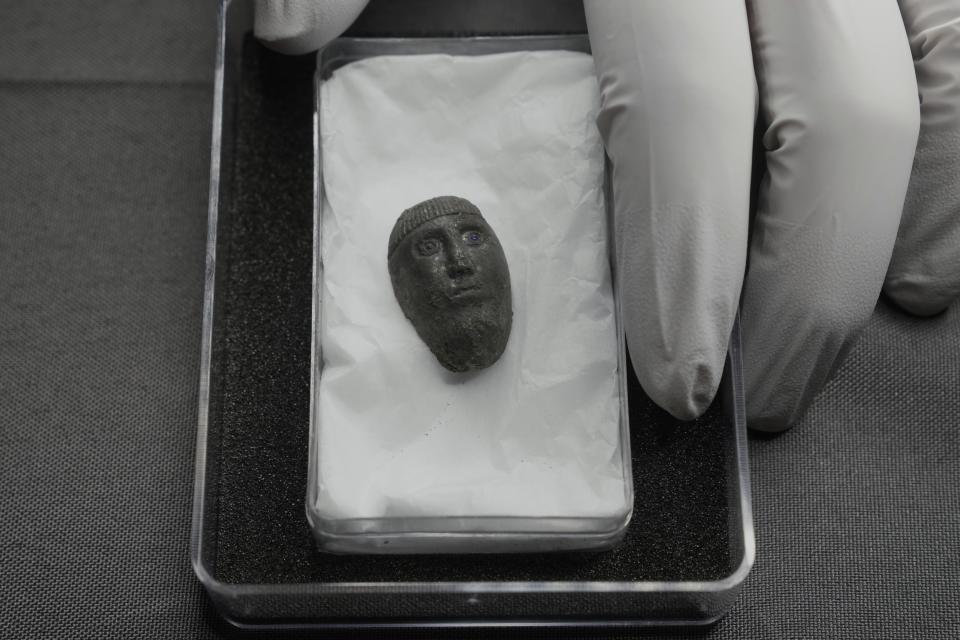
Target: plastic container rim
(231, 590)
(611, 528)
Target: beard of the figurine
(464, 334)
(461, 339)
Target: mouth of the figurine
(466, 292)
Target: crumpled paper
(537, 434)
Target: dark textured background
(104, 134)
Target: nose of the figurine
(459, 264)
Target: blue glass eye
(473, 237)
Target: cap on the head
(425, 211)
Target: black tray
(690, 542)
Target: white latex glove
(839, 120)
(924, 274)
(302, 26)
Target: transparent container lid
(685, 553)
(579, 522)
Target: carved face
(451, 278)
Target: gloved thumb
(301, 26)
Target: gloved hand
(839, 125)
(302, 26)
(839, 119)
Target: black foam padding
(449, 18)
(679, 529)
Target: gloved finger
(839, 102)
(302, 26)
(924, 274)
(678, 104)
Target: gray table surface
(104, 151)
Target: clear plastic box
(449, 534)
(256, 562)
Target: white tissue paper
(402, 443)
